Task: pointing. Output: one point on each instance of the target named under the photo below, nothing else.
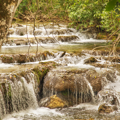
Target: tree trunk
(7, 11)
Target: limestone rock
(53, 102)
(108, 96)
(21, 59)
(105, 108)
(67, 38)
(90, 60)
(75, 85)
(69, 84)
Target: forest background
(102, 16)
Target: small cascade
(17, 93)
(109, 96)
(2, 105)
(90, 88)
(83, 90)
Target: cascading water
(18, 93)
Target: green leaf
(111, 4)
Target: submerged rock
(53, 102)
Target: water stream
(18, 94)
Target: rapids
(70, 49)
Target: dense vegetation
(81, 13)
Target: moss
(9, 91)
(65, 93)
(40, 72)
(37, 76)
(24, 74)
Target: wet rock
(53, 102)
(69, 84)
(21, 31)
(10, 32)
(63, 54)
(90, 60)
(67, 38)
(95, 80)
(21, 42)
(19, 25)
(47, 39)
(75, 85)
(60, 31)
(104, 108)
(100, 65)
(7, 59)
(36, 32)
(108, 96)
(98, 52)
(21, 59)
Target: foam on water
(37, 113)
(86, 106)
(3, 65)
(91, 40)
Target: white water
(72, 61)
(38, 114)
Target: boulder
(7, 59)
(105, 108)
(21, 59)
(108, 96)
(53, 102)
(69, 84)
(21, 31)
(90, 60)
(75, 85)
(67, 38)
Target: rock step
(39, 31)
(23, 58)
(46, 39)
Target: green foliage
(101, 14)
(111, 4)
(87, 13)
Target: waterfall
(90, 88)
(17, 94)
(83, 89)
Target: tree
(7, 11)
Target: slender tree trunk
(7, 11)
